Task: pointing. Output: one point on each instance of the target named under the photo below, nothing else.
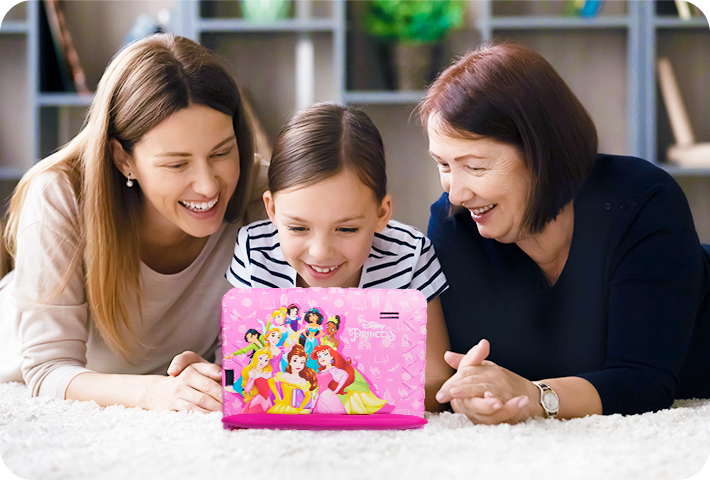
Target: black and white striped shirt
(401, 257)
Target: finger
(514, 410)
(453, 359)
(202, 384)
(180, 362)
(483, 406)
(209, 370)
(476, 355)
(459, 382)
(182, 405)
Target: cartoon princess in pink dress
(255, 378)
(355, 395)
(333, 376)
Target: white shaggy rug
(55, 439)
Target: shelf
(685, 172)
(383, 97)
(289, 25)
(556, 22)
(675, 22)
(10, 173)
(64, 100)
(14, 27)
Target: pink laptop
(323, 358)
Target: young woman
(120, 238)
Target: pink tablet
(323, 358)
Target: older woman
(578, 284)
(121, 238)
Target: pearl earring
(129, 182)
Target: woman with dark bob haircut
(577, 281)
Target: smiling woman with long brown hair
(121, 238)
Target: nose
(458, 192)
(320, 248)
(206, 181)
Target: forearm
(578, 398)
(437, 371)
(110, 389)
(431, 387)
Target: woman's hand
(193, 384)
(485, 392)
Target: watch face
(552, 403)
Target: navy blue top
(630, 311)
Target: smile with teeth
(482, 210)
(324, 269)
(199, 207)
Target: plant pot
(415, 65)
(265, 11)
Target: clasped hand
(485, 392)
(192, 383)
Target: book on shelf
(61, 68)
(583, 8)
(686, 152)
(682, 9)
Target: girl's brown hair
(144, 84)
(323, 139)
(513, 95)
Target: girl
(329, 222)
(120, 238)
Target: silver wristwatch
(549, 400)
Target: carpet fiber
(50, 439)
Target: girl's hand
(193, 384)
(485, 392)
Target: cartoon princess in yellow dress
(296, 384)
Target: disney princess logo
(369, 330)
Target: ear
(122, 160)
(384, 212)
(269, 205)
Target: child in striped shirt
(330, 223)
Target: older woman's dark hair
(513, 95)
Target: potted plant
(265, 11)
(413, 28)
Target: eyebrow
(342, 220)
(461, 157)
(185, 154)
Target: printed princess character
(331, 328)
(255, 378)
(338, 379)
(292, 324)
(334, 374)
(311, 333)
(276, 321)
(255, 342)
(296, 384)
